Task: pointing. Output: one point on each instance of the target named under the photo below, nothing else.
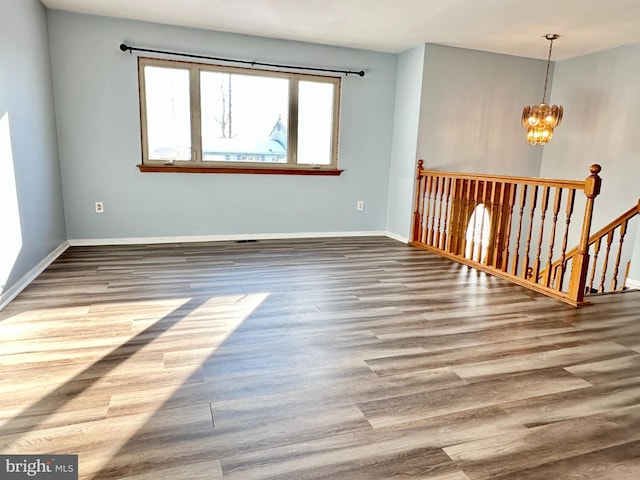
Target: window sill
(238, 170)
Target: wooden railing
(516, 228)
(604, 276)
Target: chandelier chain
(546, 78)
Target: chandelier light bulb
(541, 119)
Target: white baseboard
(397, 237)
(632, 283)
(31, 275)
(84, 242)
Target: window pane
(244, 117)
(168, 117)
(315, 120)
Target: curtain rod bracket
(124, 47)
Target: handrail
(551, 182)
(618, 225)
(496, 223)
(628, 215)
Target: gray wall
(468, 106)
(31, 208)
(405, 141)
(471, 109)
(601, 101)
(96, 90)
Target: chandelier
(540, 120)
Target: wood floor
(353, 358)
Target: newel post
(580, 264)
(415, 230)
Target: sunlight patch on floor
(46, 377)
(229, 314)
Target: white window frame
(197, 164)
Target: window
(198, 117)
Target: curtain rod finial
(124, 47)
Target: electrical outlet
(99, 207)
(360, 205)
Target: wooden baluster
(459, 210)
(605, 264)
(498, 190)
(456, 207)
(516, 257)
(489, 192)
(554, 276)
(559, 280)
(442, 240)
(448, 213)
(526, 271)
(426, 199)
(433, 216)
(614, 281)
(463, 218)
(423, 216)
(626, 275)
(445, 181)
(433, 196)
(419, 205)
(472, 225)
(596, 252)
(438, 213)
(543, 214)
(486, 202)
(449, 209)
(421, 219)
(479, 219)
(432, 186)
(474, 216)
(557, 202)
(513, 187)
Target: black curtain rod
(124, 47)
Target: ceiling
(502, 26)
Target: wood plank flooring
(344, 358)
